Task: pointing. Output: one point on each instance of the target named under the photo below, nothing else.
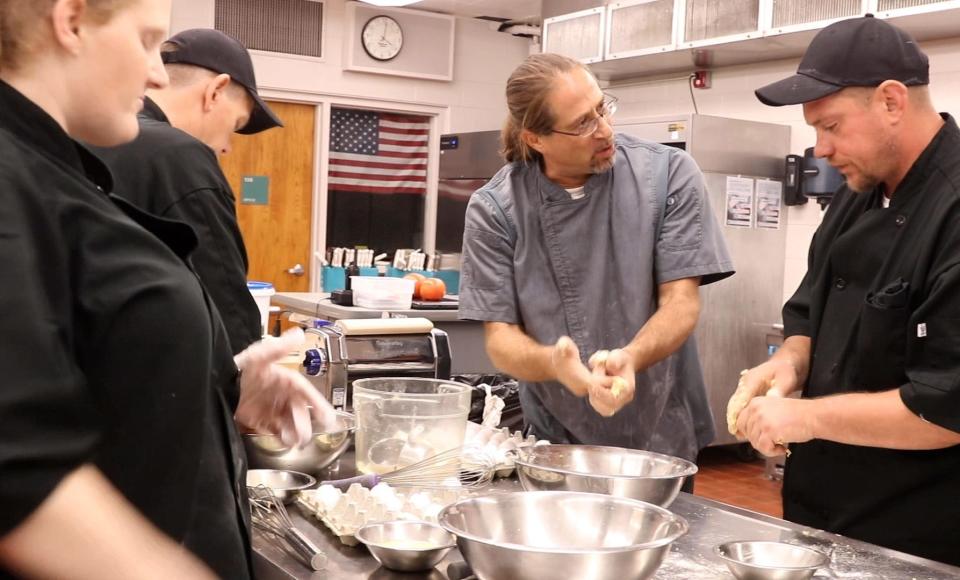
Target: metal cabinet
(578, 35)
(630, 38)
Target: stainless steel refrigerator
(740, 323)
(467, 161)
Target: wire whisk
(270, 516)
(457, 468)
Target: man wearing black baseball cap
(873, 331)
(171, 169)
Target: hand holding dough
(741, 398)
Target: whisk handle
(305, 548)
(368, 481)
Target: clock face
(382, 37)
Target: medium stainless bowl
(642, 475)
(524, 535)
(326, 445)
(284, 483)
(407, 546)
(771, 560)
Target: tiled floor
(725, 476)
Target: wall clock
(382, 38)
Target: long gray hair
(527, 91)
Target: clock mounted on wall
(382, 38)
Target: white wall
(731, 95)
(474, 100)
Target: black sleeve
(796, 312)
(48, 421)
(933, 354)
(221, 261)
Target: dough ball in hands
(740, 399)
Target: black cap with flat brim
(222, 54)
(857, 52)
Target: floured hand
(614, 384)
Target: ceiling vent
(284, 26)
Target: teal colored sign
(255, 190)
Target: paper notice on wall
(739, 202)
(769, 200)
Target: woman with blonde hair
(119, 455)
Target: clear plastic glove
(275, 399)
(492, 409)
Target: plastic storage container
(382, 292)
(262, 291)
(405, 420)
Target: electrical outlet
(701, 79)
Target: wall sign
(255, 190)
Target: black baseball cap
(858, 52)
(222, 54)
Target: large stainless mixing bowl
(771, 560)
(642, 475)
(553, 534)
(326, 445)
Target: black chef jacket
(881, 304)
(112, 354)
(171, 174)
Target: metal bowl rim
(311, 480)
(359, 535)
(340, 414)
(719, 551)
(690, 468)
(684, 525)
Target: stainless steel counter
(469, 354)
(691, 557)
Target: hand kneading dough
(737, 403)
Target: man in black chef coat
(873, 331)
(171, 169)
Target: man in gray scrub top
(590, 242)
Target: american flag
(373, 152)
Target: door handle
(296, 270)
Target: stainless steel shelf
(761, 46)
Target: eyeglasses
(589, 126)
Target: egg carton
(346, 512)
(499, 444)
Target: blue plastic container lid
(259, 286)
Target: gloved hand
(275, 399)
(492, 409)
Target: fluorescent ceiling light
(390, 2)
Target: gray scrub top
(590, 268)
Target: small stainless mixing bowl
(284, 483)
(771, 560)
(407, 546)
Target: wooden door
(277, 234)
